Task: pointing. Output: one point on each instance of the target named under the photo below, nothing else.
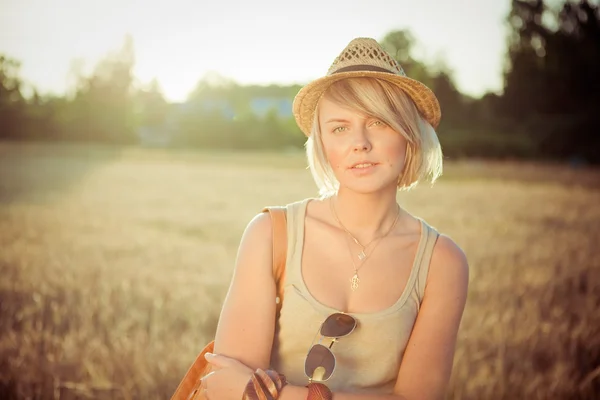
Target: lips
(363, 165)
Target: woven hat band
(362, 68)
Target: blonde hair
(388, 102)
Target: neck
(366, 216)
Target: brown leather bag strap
(279, 223)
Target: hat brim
(306, 100)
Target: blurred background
(138, 139)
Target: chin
(369, 186)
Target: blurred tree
(400, 44)
(103, 107)
(438, 77)
(451, 100)
(211, 86)
(552, 83)
(152, 106)
(12, 104)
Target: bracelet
(318, 391)
(264, 384)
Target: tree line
(548, 108)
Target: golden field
(114, 264)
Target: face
(365, 154)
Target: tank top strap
(431, 237)
(295, 229)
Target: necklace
(362, 256)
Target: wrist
(291, 392)
(264, 383)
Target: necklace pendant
(354, 281)
(362, 255)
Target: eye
(378, 123)
(338, 129)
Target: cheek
(395, 153)
(334, 154)
(335, 159)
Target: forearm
(291, 392)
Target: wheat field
(115, 261)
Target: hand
(228, 379)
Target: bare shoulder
(449, 266)
(254, 253)
(448, 252)
(258, 236)
(259, 230)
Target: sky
(259, 42)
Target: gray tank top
(368, 360)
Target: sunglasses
(320, 361)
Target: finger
(207, 376)
(220, 361)
(204, 384)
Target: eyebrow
(336, 120)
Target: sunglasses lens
(320, 363)
(338, 325)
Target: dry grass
(114, 264)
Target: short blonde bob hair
(385, 101)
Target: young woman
(361, 272)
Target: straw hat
(364, 57)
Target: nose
(361, 140)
